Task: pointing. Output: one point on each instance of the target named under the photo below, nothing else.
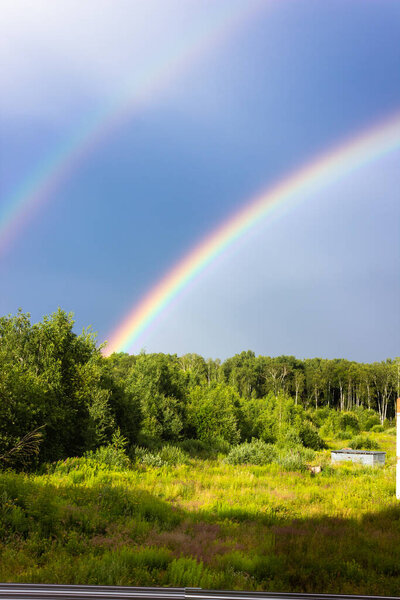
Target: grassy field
(206, 524)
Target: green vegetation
(57, 385)
(361, 442)
(179, 471)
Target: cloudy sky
(130, 129)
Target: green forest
(157, 469)
(58, 381)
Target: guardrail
(26, 591)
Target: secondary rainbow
(324, 170)
(35, 190)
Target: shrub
(211, 448)
(367, 417)
(147, 458)
(303, 433)
(255, 452)
(74, 464)
(280, 419)
(292, 457)
(310, 437)
(348, 422)
(377, 429)
(363, 443)
(218, 445)
(172, 455)
(328, 428)
(113, 455)
(289, 437)
(199, 448)
(319, 416)
(195, 447)
(168, 455)
(342, 425)
(148, 442)
(372, 422)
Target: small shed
(371, 458)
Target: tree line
(58, 382)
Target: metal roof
(351, 451)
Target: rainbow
(324, 170)
(18, 208)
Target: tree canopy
(56, 380)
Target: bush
(328, 428)
(200, 448)
(280, 420)
(205, 449)
(113, 455)
(310, 437)
(348, 422)
(372, 422)
(255, 452)
(195, 447)
(218, 445)
(363, 443)
(367, 417)
(319, 416)
(342, 425)
(302, 434)
(148, 442)
(292, 457)
(168, 455)
(289, 437)
(377, 429)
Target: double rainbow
(319, 173)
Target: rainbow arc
(319, 173)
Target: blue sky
(289, 80)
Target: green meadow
(205, 523)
